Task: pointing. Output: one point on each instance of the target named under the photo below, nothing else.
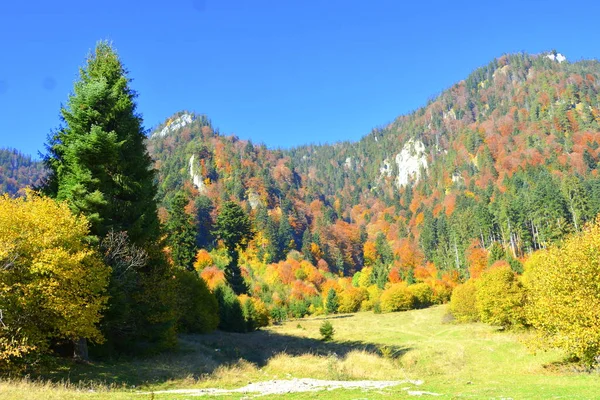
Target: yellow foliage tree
(563, 293)
(422, 293)
(500, 297)
(397, 297)
(52, 284)
(463, 303)
(203, 260)
(369, 254)
(350, 299)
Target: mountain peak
(174, 123)
(554, 56)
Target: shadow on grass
(200, 355)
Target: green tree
(181, 233)
(231, 313)
(97, 161)
(196, 306)
(326, 330)
(331, 302)
(233, 227)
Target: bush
(372, 300)
(397, 297)
(298, 308)
(563, 293)
(422, 293)
(463, 303)
(442, 292)
(196, 306)
(326, 331)
(500, 297)
(278, 314)
(251, 308)
(350, 300)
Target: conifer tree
(331, 302)
(181, 233)
(97, 160)
(233, 227)
(98, 163)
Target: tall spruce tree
(233, 227)
(182, 233)
(99, 165)
(97, 160)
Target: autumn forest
(483, 200)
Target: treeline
(18, 170)
(556, 296)
(511, 156)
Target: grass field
(453, 360)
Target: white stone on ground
(284, 386)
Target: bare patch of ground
(285, 386)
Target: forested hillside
(499, 165)
(18, 170)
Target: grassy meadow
(452, 360)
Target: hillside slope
(17, 171)
(500, 164)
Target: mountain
(17, 171)
(500, 164)
(504, 162)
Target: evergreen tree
(99, 165)
(306, 241)
(331, 302)
(204, 222)
(98, 160)
(181, 233)
(234, 229)
(285, 236)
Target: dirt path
(280, 387)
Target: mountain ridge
(483, 158)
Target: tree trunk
(80, 352)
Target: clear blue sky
(282, 72)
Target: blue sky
(282, 72)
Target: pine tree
(181, 233)
(233, 227)
(331, 302)
(97, 160)
(99, 165)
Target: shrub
(563, 293)
(255, 312)
(463, 303)
(298, 308)
(350, 300)
(422, 293)
(278, 313)
(196, 305)
(442, 292)
(327, 331)
(372, 300)
(500, 297)
(397, 297)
